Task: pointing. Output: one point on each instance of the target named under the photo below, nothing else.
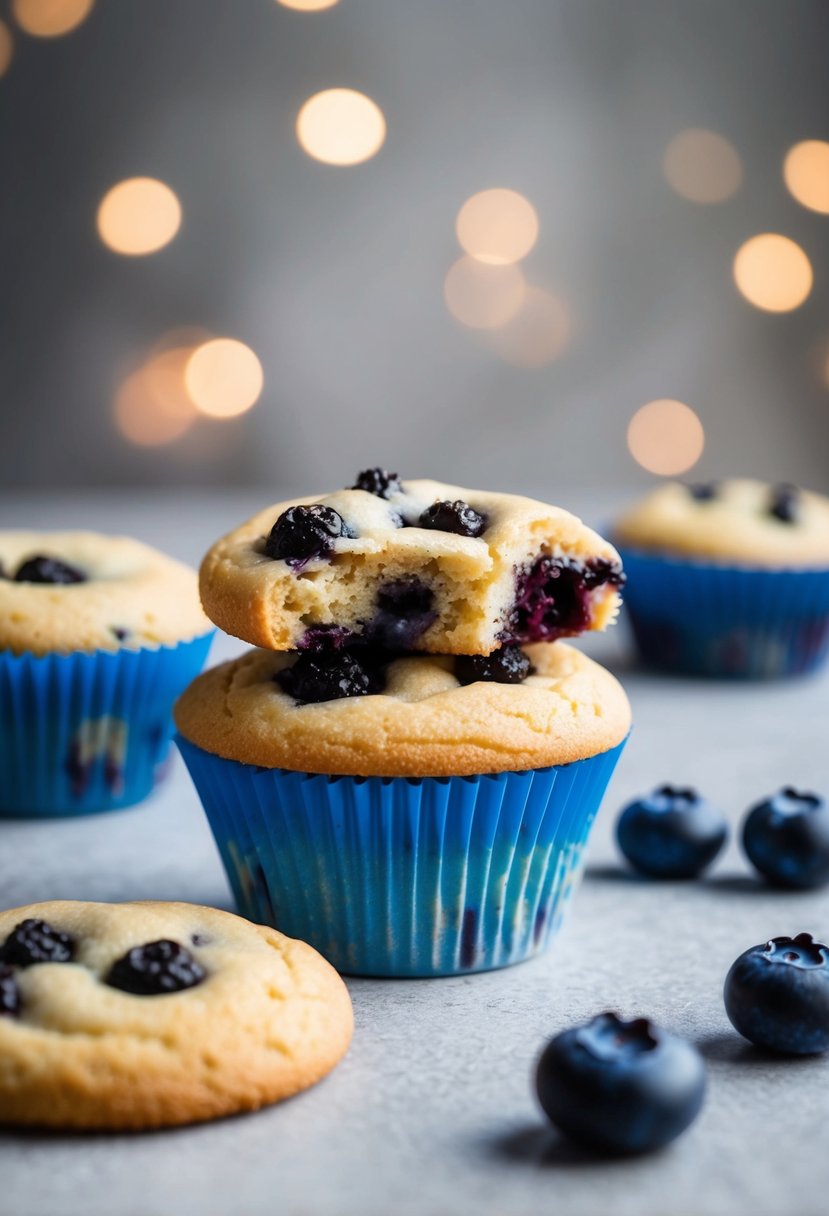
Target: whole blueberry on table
(786, 838)
(671, 833)
(305, 531)
(622, 1087)
(777, 995)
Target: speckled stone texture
(432, 1111)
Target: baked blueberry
(703, 491)
(402, 614)
(9, 992)
(671, 833)
(324, 637)
(620, 1087)
(156, 968)
(35, 941)
(552, 597)
(784, 503)
(42, 569)
(304, 532)
(777, 995)
(786, 838)
(507, 665)
(457, 517)
(378, 482)
(328, 676)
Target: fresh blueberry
(777, 995)
(156, 968)
(329, 676)
(378, 482)
(671, 833)
(620, 1087)
(35, 941)
(43, 569)
(784, 503)
(304, 532)
(703, 491)
(457, 517)
(9, 992)
(508, 665)
(402, 614)
(552, 597)
(786, 838)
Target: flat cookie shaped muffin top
(68, 591)
(740, 520)
(357, 714)
(416, 565)
(148, 1015)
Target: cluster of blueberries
(617, 1086)
(152, 969)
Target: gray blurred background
(334, 275)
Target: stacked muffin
(405, 772)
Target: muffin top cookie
(739, 520)
(152, 1014)
(359, 714)
(66, 591)
(413, 565)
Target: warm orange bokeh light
(6, 48)
(497, 226)
(340, 127)
(224, 378)
(537, 334)
(773, 272)
(665, 437)
(138, 216)
(152, 407)
(482, 296)
(50, 18)
(702, 166)
(806, 173)
(307, 6)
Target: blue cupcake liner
(398, 876)
(739, 622)
(88, 731)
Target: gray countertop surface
(433, 1110)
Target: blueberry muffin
(145, 1015)
(98, 635)
(414, 565)
(729, 578)
(408, 815)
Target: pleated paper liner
(737, 622)
(404, 876)
(86, 732)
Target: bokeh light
(224, 378)
(307, 6)
(665, 437)
(483, 296)
(773, 272)
(152, 407)
(50, 18)
(138, 216)
(806, 173)
(702, 166)
(538, 332)
(340, 127)
(497, 226)
(6, 48)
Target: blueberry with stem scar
(671, 833)
(786, 838)
(777, 995)
(620, 1087)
